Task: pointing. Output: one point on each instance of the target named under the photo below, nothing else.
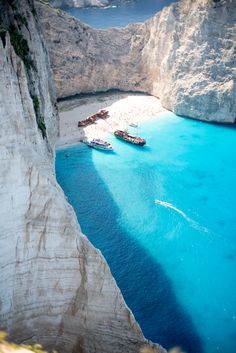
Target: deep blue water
(121, 15)
(175, 263)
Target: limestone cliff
(185, 55)
(55, 287)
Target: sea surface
(164, 217)
(120, 14)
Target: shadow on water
(211, 123)
(146, 288)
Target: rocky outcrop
(185, 55)
(55, 287)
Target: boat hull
(99, 144)
(135, 142)
(101, 148)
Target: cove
(120, 14)
(174, 259)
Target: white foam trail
(109, 7)
(190, 220)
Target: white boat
(99, 145)
(133, 125)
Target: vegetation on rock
(21, 19)
(21, 47)
(35, 103)
(42, 128)
(3, 32)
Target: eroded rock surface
(55, 287)
(185, 55)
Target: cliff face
(185, 55)
(194, 54)
(55, 287)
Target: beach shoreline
(124, 109)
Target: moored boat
(101, 114)
(133, 125)
(99, 145)
(125, 136)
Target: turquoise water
(121, 14)
(175, 263)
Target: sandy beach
(124, 109)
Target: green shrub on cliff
(42, 128)
(35, 103)
(21, 19)
(3, 32)
(21, 47)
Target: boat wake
(109, 7)
(193, 223)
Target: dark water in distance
(121, 14)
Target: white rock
(55, 287)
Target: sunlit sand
(124, 109)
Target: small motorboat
(125, 136)
(99, 145)
(133, 125)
